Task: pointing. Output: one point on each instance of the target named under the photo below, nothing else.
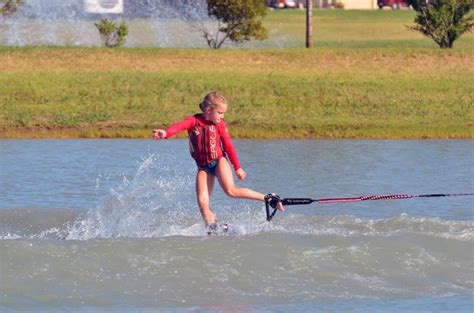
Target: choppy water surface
(94, 225)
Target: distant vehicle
(281, 4)
(394, 4)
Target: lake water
(112, 225)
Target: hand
(241, 174)
(274, 201)
(159, 133)
(280, 206)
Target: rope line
(389, 197)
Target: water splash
(158, 200)
(49, 22)
(152, 23)
(145, 205)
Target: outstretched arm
(175, 128)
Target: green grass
(352, 28)
(376, 89)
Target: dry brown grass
(208, 61)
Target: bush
(112, 35)
(444, 21)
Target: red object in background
(394, 4)
(280, 4)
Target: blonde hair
(212, 100)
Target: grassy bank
(272, 93)
(372, 91)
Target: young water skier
(210, 143)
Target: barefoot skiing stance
(210, 144)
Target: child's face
(217, 114)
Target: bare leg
(204, 187)
(226, 180)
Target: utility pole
(309, 23)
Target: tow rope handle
(301, 201)
(286, 202)
(267, 209)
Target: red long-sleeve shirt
(207, 141)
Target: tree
(444, 21)
(237, 21)
(111, 34)
(8, 7)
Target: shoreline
(236, 134)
